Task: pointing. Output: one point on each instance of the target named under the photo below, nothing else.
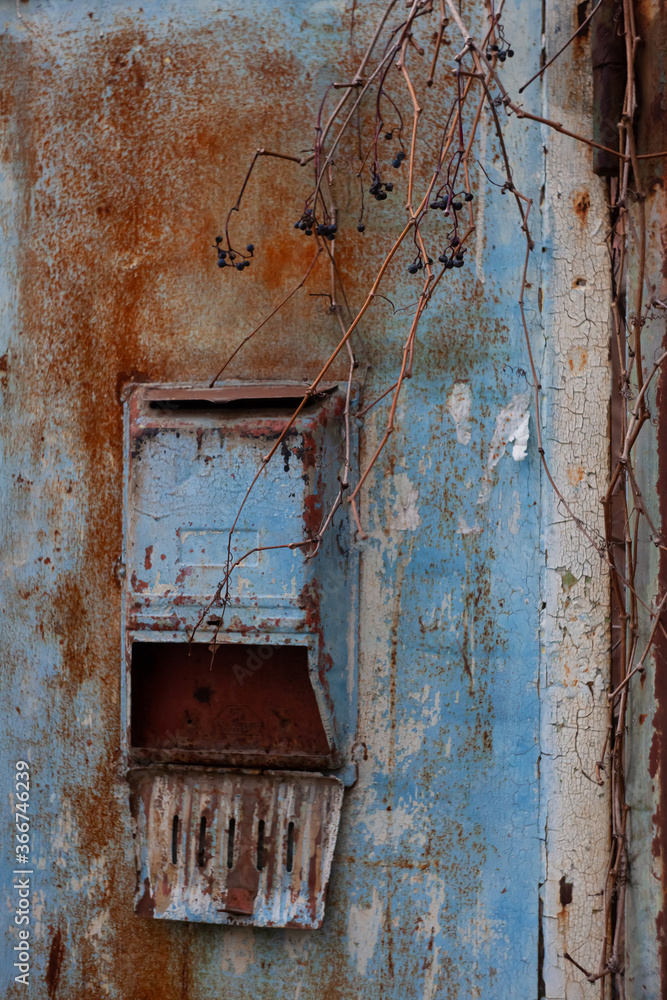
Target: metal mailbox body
(260, 673)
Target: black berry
(361, 228)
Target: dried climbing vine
(381, 112)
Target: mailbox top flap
(155, 402)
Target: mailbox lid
(203, 856)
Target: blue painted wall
(126, 132)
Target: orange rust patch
(578, 363)
(581, 203)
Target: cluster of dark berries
(503, 51)
(418, 264)
(327, 231)
(228, 258)
(398, 159)
(306, 222)
(309, 224)
(503, 54)
(455, 257)
(379, 189)
(451, 201)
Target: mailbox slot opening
(251, 403)
(158, 401)
(245, 703)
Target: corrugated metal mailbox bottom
(234, 847)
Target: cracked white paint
(459, 404)
(511, 426)
(574, 811)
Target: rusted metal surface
(184, 698)
(234, 848)
(125, 136)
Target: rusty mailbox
(238, 721)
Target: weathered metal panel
(127, 129)
(202, 856)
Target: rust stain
(579, 362)
(581, 203)
(139, 586)
(54, 968)
(145, 907)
